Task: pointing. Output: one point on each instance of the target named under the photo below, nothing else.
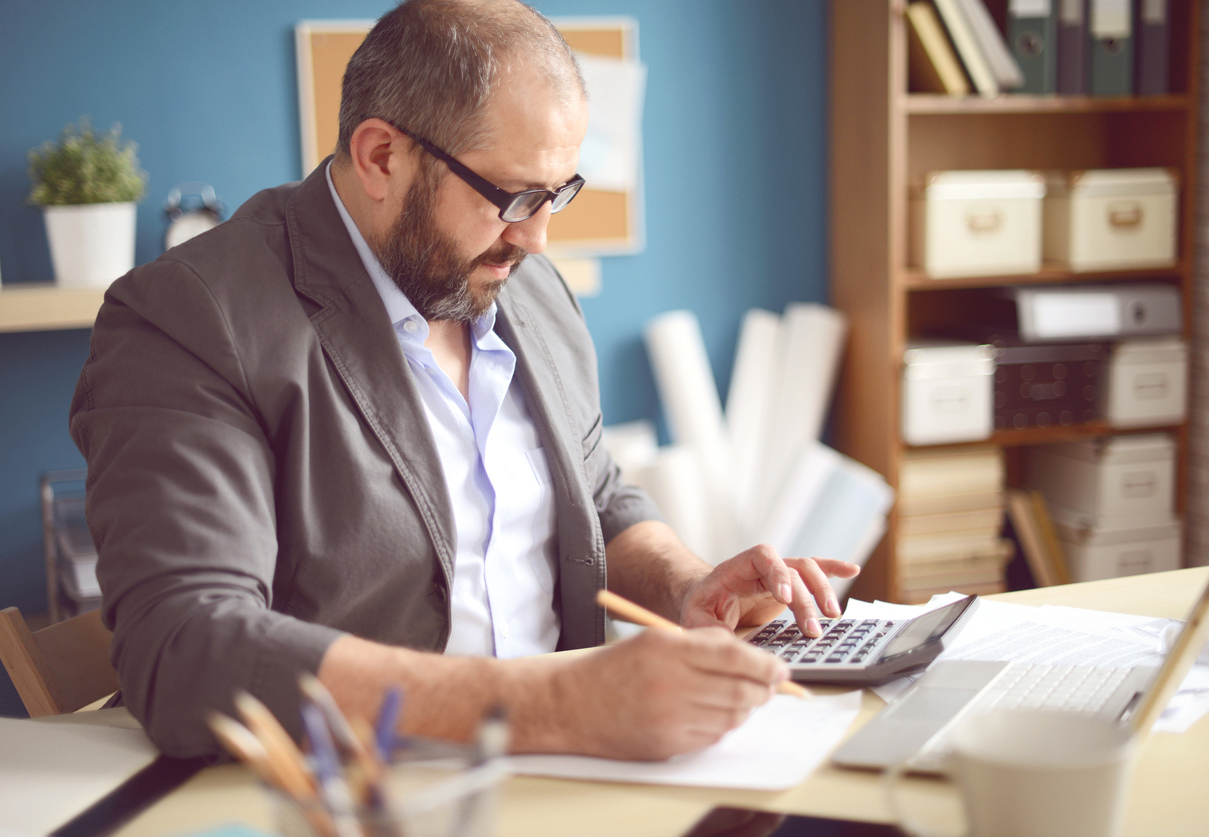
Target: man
(333, 435)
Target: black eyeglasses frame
(500, 198)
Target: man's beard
(424, 262)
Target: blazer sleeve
(180, 501)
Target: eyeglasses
(513, 206)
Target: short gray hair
(431, 66)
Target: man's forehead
(527, 99)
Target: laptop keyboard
(841, 641)
(1070, 688)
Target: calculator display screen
(925, 629)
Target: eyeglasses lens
(524, 205)
(564, 197)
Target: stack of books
(950, 523)
(1072, 47)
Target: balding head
(432, 66)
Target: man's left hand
(757, 584)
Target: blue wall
(735, 160)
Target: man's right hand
(650, 697)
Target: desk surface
(1168, 795)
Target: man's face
(427, 266)
(447, 248)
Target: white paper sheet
(53, 768)
(610, 155)
(780, 745)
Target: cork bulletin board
(599, 221)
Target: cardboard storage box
(1047, 384)
(946, 393)
(1146, 383)
(1112, 475)
(977, 223)
(1111, 219)
(1098, 547)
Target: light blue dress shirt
(499, 482)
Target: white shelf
(43, 306)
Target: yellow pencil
(284, 754)
(639, 615)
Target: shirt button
(410, 326)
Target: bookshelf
(39, 306)
(884, 138)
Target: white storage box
(977, 223)
(1147, 383)
(1113, 475)
(1111, 219)
(947, 392)
(1098, 547)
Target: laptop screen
(1181, 657)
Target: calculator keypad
(841, 641)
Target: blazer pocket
(592, 441)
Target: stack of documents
(950, 519)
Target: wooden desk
(1168, 797)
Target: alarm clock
(192, 208)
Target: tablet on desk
(865, 652)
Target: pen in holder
(355, 783)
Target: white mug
(1033, 773)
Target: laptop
(913, 729)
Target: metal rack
(69, 552)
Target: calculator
(865, 651)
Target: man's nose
(530, 234)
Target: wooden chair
(58, 669)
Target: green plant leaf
(83, 167)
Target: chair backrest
(60, 668)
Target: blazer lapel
(360, 341)
(580, 539)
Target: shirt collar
(398, 306)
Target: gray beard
(424, 263)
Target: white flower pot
(90, 244)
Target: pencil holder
(428, 792)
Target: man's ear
(378, 153)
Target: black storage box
(1039, 385)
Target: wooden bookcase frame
(883, 138)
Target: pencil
(639, 615)
(283, 753)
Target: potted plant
(88, 185)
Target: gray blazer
(261, 475)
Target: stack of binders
(1071, 47)
(950, 521)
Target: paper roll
(694, 414)
(633, 445)
(809, 353)
(749, 401)
(673, 479)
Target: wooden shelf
(43, 306)
(930, 103)
(885, 141)
(916, 280)
(1050, 435)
